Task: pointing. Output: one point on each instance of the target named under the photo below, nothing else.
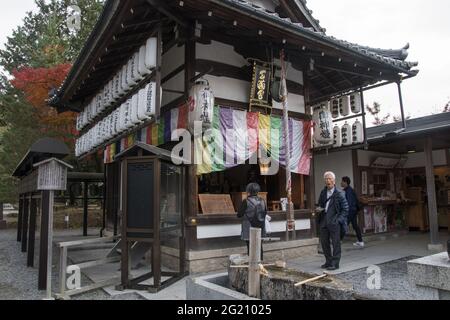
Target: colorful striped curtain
(235, 137)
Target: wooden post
(19, 220)
(62, 269)
(42, 279)
(85, 208)
(431, 192)
(254, 288)
(25, 216)
(32, 232)
(50, 244)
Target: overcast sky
(378, 23)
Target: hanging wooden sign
(259, 95)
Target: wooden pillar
(431, 192)
(32, 232)
(156, 250)
(25, 216)
(19, 219)
(85, 208)
(43, 246)
(192, 182)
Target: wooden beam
(162, 7)
(324, 78)
(431, 192)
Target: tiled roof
(394, 58)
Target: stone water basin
(279, 284)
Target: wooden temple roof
(333, 66)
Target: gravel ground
(394, 281)
(17, 282)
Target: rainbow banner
(235, 137)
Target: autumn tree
(36, 58)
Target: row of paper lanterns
(141, 63)
(140, 107)
(343, 106)
(348, 135)
(325, 133)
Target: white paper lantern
(122, 127)
(128, 122)
(136, 75)
(151, 48)
(99, 102)
(134, 109)
(143, 70)
(323, 125)
(358, 132)
(130, 77)
(335, 108)
(125, 86)
(201, 104)
(346, 135)
(116, 94)
(115, 117)
(344, 106)
(355, 103)
(147, 105)
(337, 137)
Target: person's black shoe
(333, 268)
(326, 266)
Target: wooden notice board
(216, 204)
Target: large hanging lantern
(346, 134)
(201, 104)
(323, 124)
(335, 108)
(358, 132)
(344, 106)
(337, 137)
(355, 103)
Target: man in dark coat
(353, 208)
(332, 217)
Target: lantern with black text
(335, 108)
(323, 125)
(201, 104)
(355, 103)
(344, 106)
(358, 132)
(337, 137)
(346, 135)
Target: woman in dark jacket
(253, 212)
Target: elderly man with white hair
(333, 214)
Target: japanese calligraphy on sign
(260, 86)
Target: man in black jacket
(333, 215)
(353, 208)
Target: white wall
(341, 163)
(171, 60)
(239, 90)
(234, 230)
